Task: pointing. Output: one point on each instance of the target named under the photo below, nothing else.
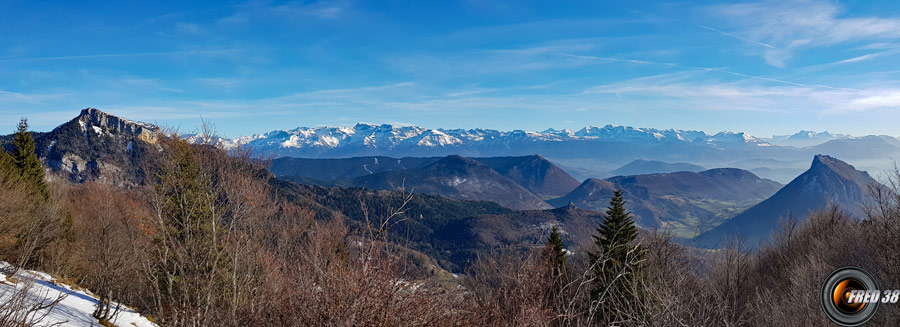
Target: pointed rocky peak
(828, 161)
(824, 163)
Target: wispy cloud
(794, 26)
(9, 98)
(147, 83)
(291, 11)
(689, 90)
(876, 100)
(189, 29)
(708, 69)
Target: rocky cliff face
(97, 146)
(102, 121)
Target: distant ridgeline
(681, 202)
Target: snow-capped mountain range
(592, 151)
(386, 139)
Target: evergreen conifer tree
(615, 261)
(557, 267)
(555, 254)
(556, 273)
(26, 160)
(7, 165)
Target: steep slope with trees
(828, 181)
(679, 202)
(456, 177)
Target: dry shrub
(508, 288)
(107, 239)
(28, 223)
(22, 306)
(318, 276)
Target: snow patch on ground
(83, 129)
(457, 181)
(74, 310)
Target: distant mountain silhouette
(456, 177)
(641, 167)
(535, 173)
(805, 138)
(681, 202)
(861, 147)
(828, 181)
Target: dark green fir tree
(26, 160)
(555, 257)
(556, 274)
(7, 164)
(615, 262)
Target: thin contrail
(111, 55)
(720, 70)
(732, 35)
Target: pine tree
(615, 261)
(26, 160)
(555, 254)
(7, 164)
(557, 266)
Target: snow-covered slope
(74, 309)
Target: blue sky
(761, 67)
